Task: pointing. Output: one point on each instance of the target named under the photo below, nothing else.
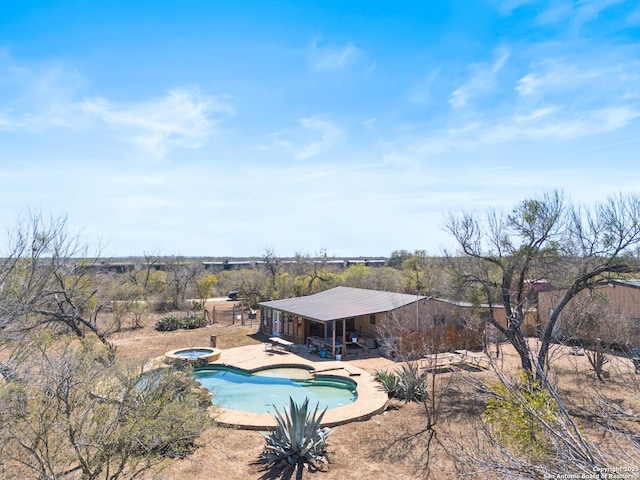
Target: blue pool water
(236, 389)
(193, 353)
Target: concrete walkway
(372, 399)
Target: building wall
(623, 302)
(366, 325)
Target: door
(276, 323)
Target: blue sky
(223, 128)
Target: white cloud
(634, 17)
(422, 92)
(544, 125)
(505, 7)
(38, 97)
(590, 9)
(482, 79)
(369, 124)
(316, 136)
(578, 13)
(35, 96)
(182, 118)
(558, 75)
(332, 57)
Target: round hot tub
(195, 355)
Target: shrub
(297, 442)
(520, 416)
(193, 321)
(167, 324)
(170, 323)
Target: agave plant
(297, 442)
(407, 384)
(389, 381)
(412, 383)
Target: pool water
(193, 353)
(237, 389)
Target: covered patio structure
(334, 319)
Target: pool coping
(372, 399)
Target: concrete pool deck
(372, 399)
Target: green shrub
(170, 323)
(519, 416)
(167, 324)
(297, 442)
(193, 321)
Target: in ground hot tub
(194, 355)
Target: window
(438, 321)
(287, 324)
(372, 319)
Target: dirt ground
(382, 447)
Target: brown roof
(342, 302)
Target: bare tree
(79, 410)
(545, 238)
(181, 278)
(273, 265)
(144, 275)
(318, 272)
(47, 279)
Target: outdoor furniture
(277, 342)
(360, 342)
(437, 361)
(318, 344)
(476, 359)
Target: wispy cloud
(505, 7)
(35, 96)
(594, 82)
(369, 124)
(562, 125)
(182, 118)
(576, 13)
(423, 91)
(559, 98)
(38, 97)
(634, 17)
(547, 124)
(482, 79)
(315, 136)
(332, 57)
(560, 75)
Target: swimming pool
(258, 391)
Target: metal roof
(342, 302)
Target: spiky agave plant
(297, 442)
